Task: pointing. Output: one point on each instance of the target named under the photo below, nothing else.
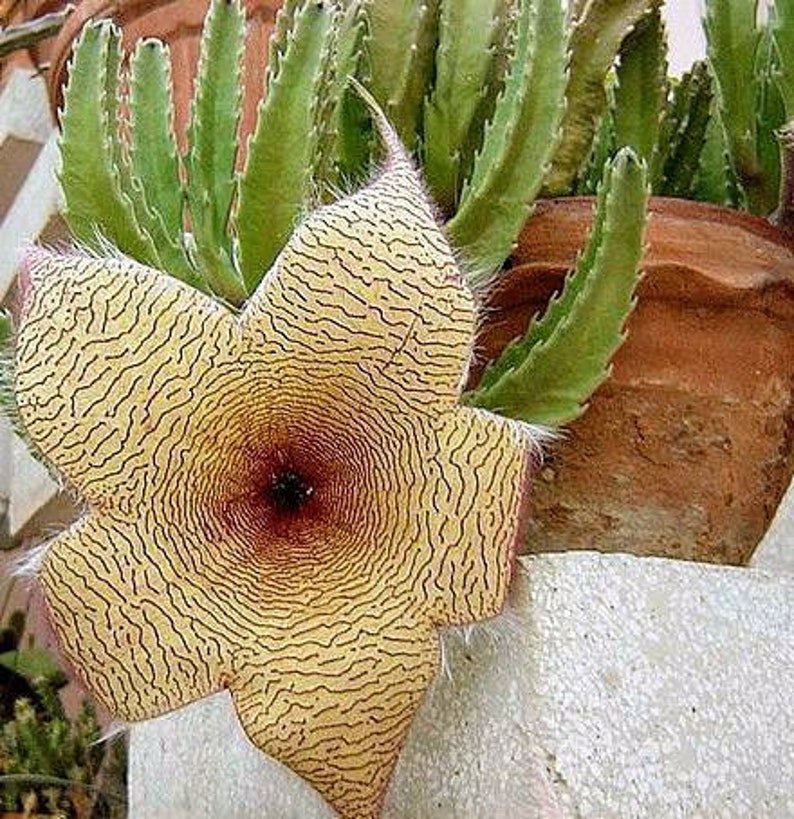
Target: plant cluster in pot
(212, 309)
(691, 436)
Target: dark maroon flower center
(288, 491)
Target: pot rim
(689, 209)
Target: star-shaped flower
(287, 503)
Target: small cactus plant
(51, 761)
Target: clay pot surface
(686, 450)
(178, 23)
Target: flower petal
(477, 489)
(111, 367)
(335, 703)
(139, 634)
(368, 288)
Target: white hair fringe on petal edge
(115, 729)
(507, 627)
(28, 564)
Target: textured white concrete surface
(615, 687)
(775, 553)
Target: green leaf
(641, 89)
(400, 44)
(548, 377)
(97, 207)
(517, 144)
(463, 65)
(276, 181)
(692, 104)
(212, 136)
(159, 197)
(783, 32)
(597, 35)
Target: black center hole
(289, 491)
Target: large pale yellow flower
(287, 502)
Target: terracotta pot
(177, 23)
(687, 450)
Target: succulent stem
(784, 216)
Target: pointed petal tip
(396, 155)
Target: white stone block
(615, 687)
(35, 204)
(775, 553)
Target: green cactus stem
(599, 30)
(212, 136)
(547, 376)
(744, 67)
(641, 88)
(683, 136)
(275, 185)
(784, 216)
(602, 151)
(158, 196)
(713, 180)
(98, 205)
(400, 44)
(783, 33)
(466, 33)
(517, 143)
(344, 138)
(770, 117)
